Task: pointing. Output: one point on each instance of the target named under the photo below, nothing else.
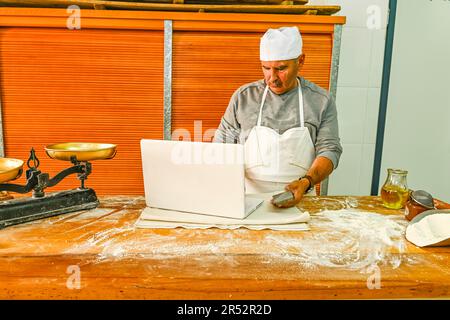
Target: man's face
(281, 76)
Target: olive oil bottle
(395, 192)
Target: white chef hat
(281, 44)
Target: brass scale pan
(11, 169)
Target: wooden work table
(115, 260)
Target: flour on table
(354, 240)
(342, 239)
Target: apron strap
(262, 104)
(300, 104)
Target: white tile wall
(366, 171)
(352, 105)
(355, 58)
(377, 57)
(371, 115)
(348, 173)
(358, 92)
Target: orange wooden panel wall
(209, 66)
(104, 83)
(83, 85)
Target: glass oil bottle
(395, 192)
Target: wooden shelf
(283, 7)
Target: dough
(152, 224)
(265, 217)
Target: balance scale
(41, 205)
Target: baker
(288, 125)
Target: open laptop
(196, 177)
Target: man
(288, 125)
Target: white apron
(272, 160)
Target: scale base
(22, 210)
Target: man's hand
(320, 169)
(298, 188)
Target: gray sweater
(281, 112)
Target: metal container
(84, 151)
(418, 202)
(10, 169)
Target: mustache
(275, 83)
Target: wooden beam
(125, 19)
(43, 3)
(279, 9)
(313, 12)
(99, 7)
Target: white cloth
(430, 228)
(266, 216)
(273, 160)
(280, 44)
